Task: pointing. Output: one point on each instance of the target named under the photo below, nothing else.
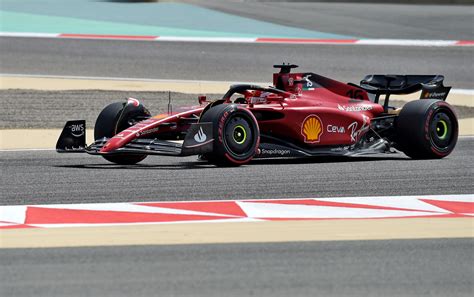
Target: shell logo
(312, 129)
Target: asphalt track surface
(228, 61)
(45, 177)
(350, 268)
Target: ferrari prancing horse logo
(312, 128)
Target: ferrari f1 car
(301, 115)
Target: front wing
(199, 140)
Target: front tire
(113, 119)
(427, 129)
(236, 135)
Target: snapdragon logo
(275, 152)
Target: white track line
(469, 92)
(29, 34)
(258, 40)
(26, 150)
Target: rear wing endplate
(434, 92)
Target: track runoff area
(272, 220)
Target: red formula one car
(301, 115)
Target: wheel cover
(240, 135)
(442, 130)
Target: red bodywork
(312, 111)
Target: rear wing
(431, 86)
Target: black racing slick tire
(427, 129)
(236, 135)
(115, 118)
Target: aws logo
(77, 130)
(312, 129)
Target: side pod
(73, 138)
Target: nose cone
(113, 144)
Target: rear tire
(427, 129)
(236, 135)
(113, 120)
